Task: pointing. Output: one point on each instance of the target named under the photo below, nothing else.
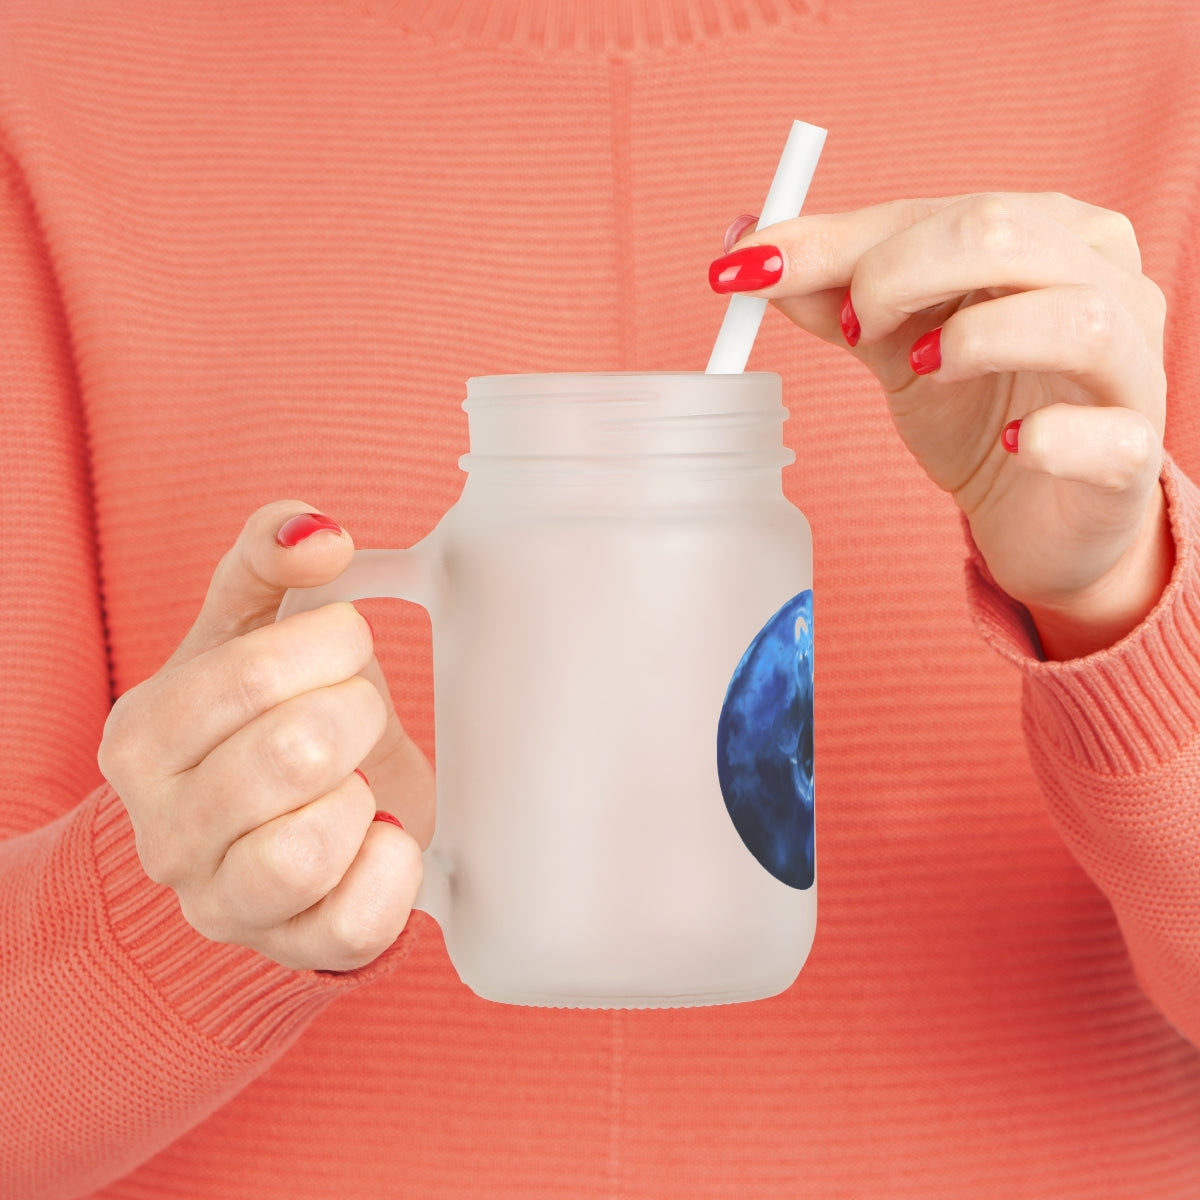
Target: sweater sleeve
(120, 1027)
(1114, 739)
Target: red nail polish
(737, 228)
(926, 354)
(1009, 436)
(380, 815)
(746, 270)
(362, 777)
(851, 329)
(295, 529)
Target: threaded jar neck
(543, 428)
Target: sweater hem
(231, 995)
(1130, 707)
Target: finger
(1114, 450)
(1074, 331)
(278, 763)
(250, 580)
(286, 865)
(185, 713)
(821, 251)
(363, 915)
(982, 243)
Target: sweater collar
(616, 26)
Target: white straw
(788, 189)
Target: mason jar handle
(395, 574)
(400, 575)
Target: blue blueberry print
(765, 745)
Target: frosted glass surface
(619, 543)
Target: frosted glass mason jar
(622, 645)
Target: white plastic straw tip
(797, 165)
(785, 198)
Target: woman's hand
(1020, 350)
(237, 762)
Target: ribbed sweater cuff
(1125, 709)
(233, 996)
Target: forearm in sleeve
(1114, 739)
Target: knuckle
(1116, 476)
(160, 857)
(1117, 229)
(258, 679)
(299, 751)
(1059, 206)
(1090, 318)
(112, 753)
(1140, 446)
(994, 226)
(208, 919)
(878, 285)
(120, 752)
(1125, 451)
(297, 859)
(1112, 234)
(361, 933)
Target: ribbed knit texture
(252, 251)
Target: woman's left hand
(979, 312)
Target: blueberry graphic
(765, 745)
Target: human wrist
(1100, 615)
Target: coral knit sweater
(251, 251)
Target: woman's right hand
(237, 762)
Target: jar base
(593, 1001)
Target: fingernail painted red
(737, 227)
(926, 353)
(380, 815)
(746, 270)
(851, 330)
(362, 777)
(294, 530)
(1009, 436)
